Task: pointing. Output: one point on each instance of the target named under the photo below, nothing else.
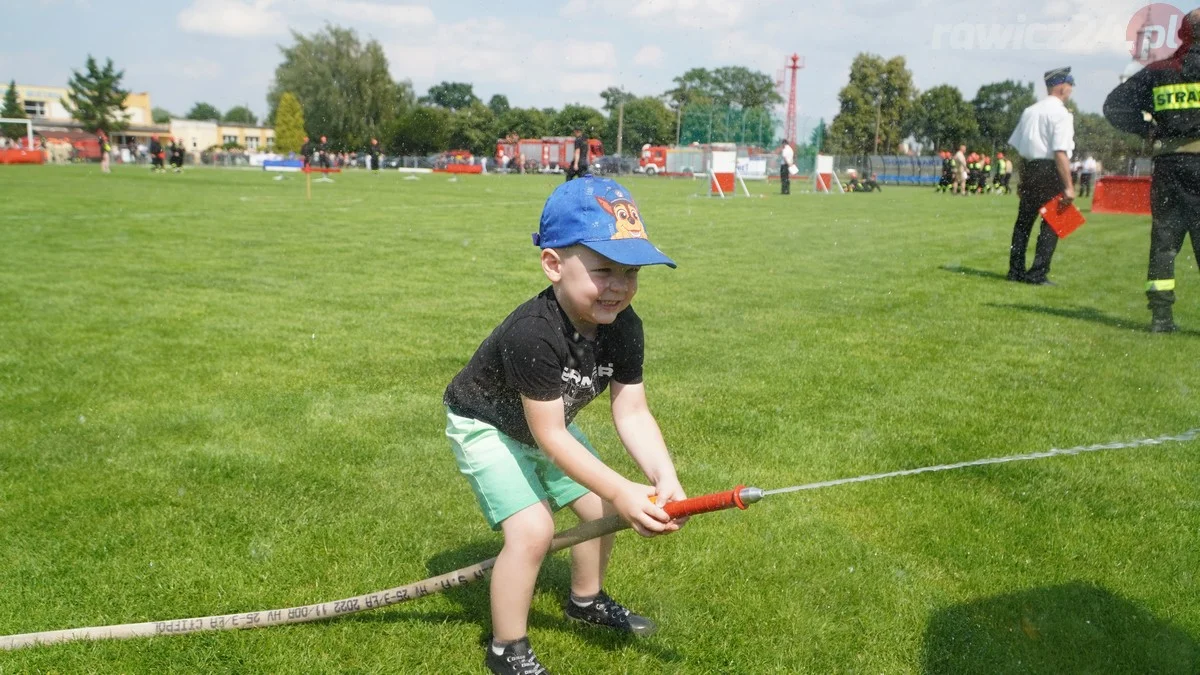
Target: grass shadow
(1090, 314)
(973, 272)
(473, 601)
(1072, 628)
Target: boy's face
(592, 289)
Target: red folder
(1062, 218)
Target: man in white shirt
(1087, 174)
(960, 171)
(1045, 137)
(786, 160)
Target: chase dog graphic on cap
(629, 221)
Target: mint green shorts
(507, 475)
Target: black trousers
(1039, 184)
(1085, 184)
(1175, 205)
(785, 180)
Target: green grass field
(218, 397)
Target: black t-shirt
(536, 352)
(581, 144)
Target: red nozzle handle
(716, 501)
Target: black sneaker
(604, 611)
(516, 659)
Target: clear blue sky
(548, 53)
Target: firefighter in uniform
(1162, 102)
(306, 151)
(156, 156)
(1006, 169)
(374, 154)
(947, 178)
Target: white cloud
(374, 13)
(574, 8)
(575, 55)
(650, 55)
(586, 83)
(691, 13)
(231, 18)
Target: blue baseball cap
(601, 215)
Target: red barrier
(461, 168)
(1122, 194)
(19, 156)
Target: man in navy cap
(1045, 138)
(1162, 101)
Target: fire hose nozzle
(751, 495)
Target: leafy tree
(726, 86)
(614, 97)
(817, 140)
(695, 86)
(647, 120)
(498, 104)
(96, 98)
(942, 119)
(12, 109)
(240, 115)
(420, 131)
(525, 122)
(1095, 136)
(740, 86)
(998, 108)
(473, 128)
(575, 116)
(204, 112)
(873, 106)
(161, 115)
(343, 85)
(450, 95)
(289, 124)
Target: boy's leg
(589, 560)
(527, 536)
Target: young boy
(510, 415)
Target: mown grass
(218, 397)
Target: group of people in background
(319, 155)
(974, 173)
(160, 155)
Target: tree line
(879, 108)
(345, 92)
(333, 84)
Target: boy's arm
(632, 501)
(641, 436)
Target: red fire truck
(548, 154)
(662, 160)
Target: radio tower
(795, 63)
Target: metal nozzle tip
(750, 495)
